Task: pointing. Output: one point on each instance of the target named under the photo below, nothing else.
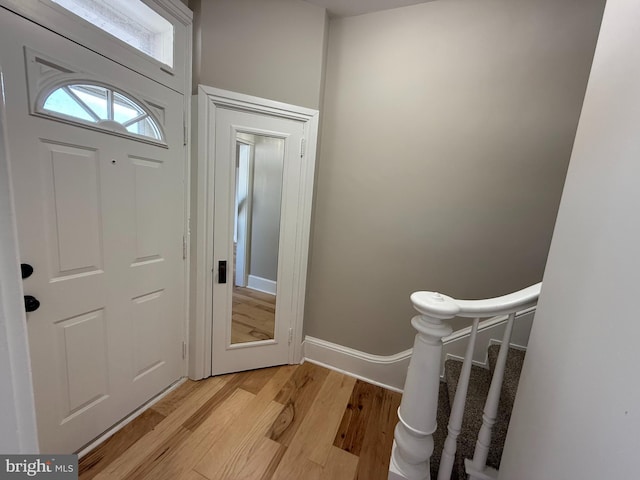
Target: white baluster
(413, 441)
(457, 409)
(476, 468)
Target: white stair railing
(457, 409)
(477, 468)
(413, 442)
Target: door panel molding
(208, 101)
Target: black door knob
(26, 269)
(31, 304)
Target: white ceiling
(348, 8)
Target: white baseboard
(391, 371)
(262, 284)
(385, 371)
(129, 418)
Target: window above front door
(131, 21)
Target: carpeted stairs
(472, 420)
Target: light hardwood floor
(299, 422)
(253, 315)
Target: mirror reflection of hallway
(258, 186)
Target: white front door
(252, 322)
(100, 219)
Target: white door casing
(18, 421)
(221, 115)
(101, 219)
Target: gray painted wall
(582, 421)
(272, 49)
(266, 202)
(447, 131)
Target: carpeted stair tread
(515, 360)
(440, 434)
(479, 382)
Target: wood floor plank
(253, 315)
(256, 296)
(100, 457)
(254, 318)
(297, 395)
(242, 332)
(378, 439)
(341, 465)
(323, 425)
(259, 415)
(185, 456)
(191, 475)
(169, 403)
(275, 384)
(275, 461)
(232, 383)
(257, 379)
(249, 457)
(356, 416)
(302, 469)
(314, 438)
(162, 451)
(286, 423)
(120, 468)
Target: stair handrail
(430, 303)
(413, 435)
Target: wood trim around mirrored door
(205, 104)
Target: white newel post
(413, 436)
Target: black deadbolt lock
(26, 269)
(222, 271)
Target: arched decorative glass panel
(102, 107)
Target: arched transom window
(101, 107)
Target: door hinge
(290, 335)
(184, 349)
(302, 147)
(184, 247)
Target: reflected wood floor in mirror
(292, 422)
(254, 315)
